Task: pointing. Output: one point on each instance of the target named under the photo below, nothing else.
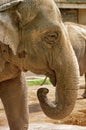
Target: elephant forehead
(29, 9)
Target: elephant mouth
(52, 78)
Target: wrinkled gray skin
(77, 34)
(33, 37)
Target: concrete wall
(69, 15)
(82, 16)
(74, 15)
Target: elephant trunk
(67, 73)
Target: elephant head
(39, 42)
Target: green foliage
(37, 82)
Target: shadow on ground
(32, 106)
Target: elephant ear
(8, 31)
(2, 63)
(7, 4)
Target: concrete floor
(47, 126)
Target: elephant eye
(51, 38)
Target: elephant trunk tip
(42, 92)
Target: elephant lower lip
(52, 78)
(53, 81)
(25, 70)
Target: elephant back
(7, 4)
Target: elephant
(77, 34)
(33, 37)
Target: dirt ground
(77, 117)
